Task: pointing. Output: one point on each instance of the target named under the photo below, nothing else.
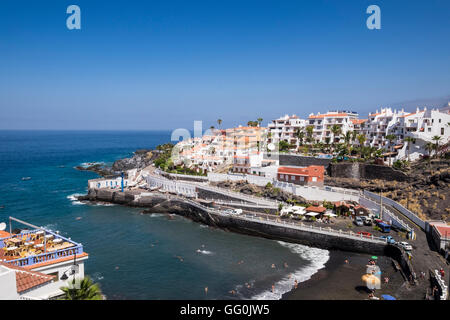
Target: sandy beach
(342, 281)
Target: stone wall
(302, 161)
(358, 171)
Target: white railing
(293, 225)
(374, 206)
(409, 214)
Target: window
(302, 178)
(442, 131)
(292, 177)
(314, 179)
(281, 176)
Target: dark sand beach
(342, 281)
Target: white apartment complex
(222, 148)
(285, 128)
(421, 125)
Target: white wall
(8, 288)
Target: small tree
(436, 139)
(85, 289)
(390, 138)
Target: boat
(26, 178)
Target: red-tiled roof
(444, 231)
(318, 209)
(358, 121)
(26, 280)
(293, 170)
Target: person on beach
(273, 288)
(286, 265)
(206, 290)
(273, 265)
(295, 284)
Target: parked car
(358, 221)
(367, 221)
(405, 245)
(389, 239)
(237, 211)
(365, 234)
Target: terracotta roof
(342, 204)
(26, 279)
(358, 121)
(293, 170)
(318, 209)
(444, 231)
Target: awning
(312, 214)
(330, 215)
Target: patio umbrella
(312, 214)
(387, 297)
(374, 257)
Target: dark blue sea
(131, 255)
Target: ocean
(132, 255)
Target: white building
(422, 126)
(322, 124)
(285, 128)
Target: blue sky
(163, 64)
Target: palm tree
(409, 140)
(390, 138)
(300, 134)
(336, 130)
(347, 138)
(260, 120)
(361, 139)
(309, 133)
(85, 289)
(429, 147)
(436, 139)
(219, 122)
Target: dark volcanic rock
(140, 159)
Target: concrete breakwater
(161, 203)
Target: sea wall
(164, 204)
(358, 171)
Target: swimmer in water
(273, 265)
(206, 290)
(286, 265)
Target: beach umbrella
(374, 257)
(370, 279)
(387, 297)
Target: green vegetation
(165, 163)
(85, 289)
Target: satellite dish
(2, 226)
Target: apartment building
(285, 128)
(220, 149)
(323, 123)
